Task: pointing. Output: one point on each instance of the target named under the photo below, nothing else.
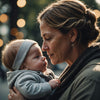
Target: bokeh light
(19, 35)
(4, 18)
(14, 31)
(21, 22)
(21, 3)
(4, 30)
(98, 1)
(1, 42)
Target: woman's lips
(50, 55)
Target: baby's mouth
(44, 63)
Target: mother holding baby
(69, 33)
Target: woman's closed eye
(48, 38)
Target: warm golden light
(1, 42)
(97, 12)
(19, 35)
(14, 31)
(4, 18)
(21, 22)
(98, 1)
(21, 3)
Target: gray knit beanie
(22, 52)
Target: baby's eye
(36, 56)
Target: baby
(28, 69)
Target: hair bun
(90, 15)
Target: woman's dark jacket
(82, 80)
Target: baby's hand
(54, 83)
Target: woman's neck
(76, 52)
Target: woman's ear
(73, 35)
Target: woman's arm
(15, 95)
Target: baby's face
(35, 59)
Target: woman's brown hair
(67, 14)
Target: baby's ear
(23, 67)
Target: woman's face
(56, 44)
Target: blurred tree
(91, 4)
(29, 13)
(4, 10)
(13, 16)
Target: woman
(69, 30)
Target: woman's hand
(15, 95)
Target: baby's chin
(44, 70)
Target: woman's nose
(44, 47)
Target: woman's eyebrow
(44, 34)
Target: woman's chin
(44, 70)
(54, 62)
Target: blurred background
(18, 21)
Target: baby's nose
(43, 58)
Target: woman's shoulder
(91, 71)
(84, 83)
